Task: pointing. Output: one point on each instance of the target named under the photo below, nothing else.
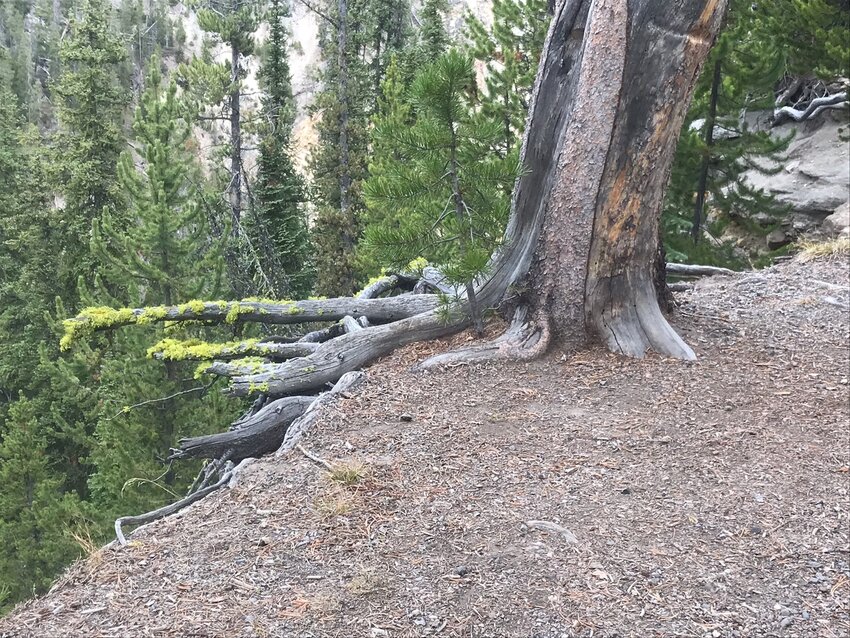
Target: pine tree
(10, 120)
(35, 516)
(27, 247)
(509, 51)
(338, 162)
(394, 113)
(718, 147)
(350, 40)
(432, 38)
(167, 246)
(29, 260)
(388, 32)
(148, 30)
(811, 36)
(90, 136)
(218, 90)
(447, 193)
(281, 230)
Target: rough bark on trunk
(259, 434)
(667, 43)
(613, 87)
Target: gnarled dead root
(277, 425)
(523, 340)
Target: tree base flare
(630, 322)
(523, 340)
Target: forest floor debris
(579, 495)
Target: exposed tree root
(288, 312)
(631, 322)
(257, 435)
(813, 109)
(694, 270)
(346, 353)
(266, 349)
(299, 426)
(279, 424)
(523, 340)
(238, 368)
(432, 280)
(350, 324)
(380, 287)
(323, 334)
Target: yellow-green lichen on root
(202, 368)
(417, 265)
(91, 319)
(250, 365)
(266, 300)
(235, 309)
(244, 366)
(196, 349)
(195, 307)
(152, 315)
(258, 387)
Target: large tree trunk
(612, 90)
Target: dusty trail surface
(579, 495)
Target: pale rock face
(815, 179)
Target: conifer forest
(160, 167)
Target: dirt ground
(583, 494)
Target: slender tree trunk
(460, 214)
(699, 205)
(235, 142)
(344, 108)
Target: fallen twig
(162, 512)
(314, 458)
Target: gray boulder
(815, 179)
(838, 223)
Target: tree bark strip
(667, 44)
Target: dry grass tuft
(90, 549)
(348, 473)
(334, 505)
(829, 249)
